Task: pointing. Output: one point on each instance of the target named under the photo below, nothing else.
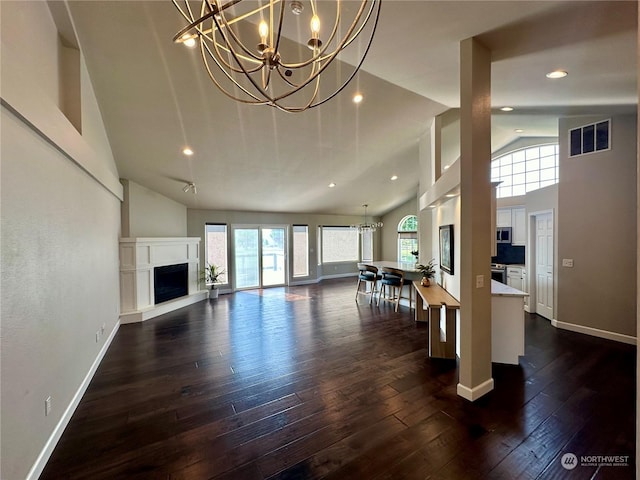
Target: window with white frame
(524, 170)
(216, 252)
(300, 250)
(407, 238)
(339, 244)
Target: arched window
(408, 239)
(524, 170)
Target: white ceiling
(155, 98)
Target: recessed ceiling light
(446, 167)
(395, 177)
(507, 109)
(331, 185)
(432, 206)
(451, 195)
(557, 74)
(518, 130)
(187, 151)
(357, 98)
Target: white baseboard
(595, 332)
(43, 458)
(476, 392)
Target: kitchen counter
(507, 323)
(503, 290)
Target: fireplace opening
(171, 281)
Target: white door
(544, 265)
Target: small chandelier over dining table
(365, 226)
(274, 52)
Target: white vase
(213, 293)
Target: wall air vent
(590, 138)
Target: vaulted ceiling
(156, 98)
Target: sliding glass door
(260, 256)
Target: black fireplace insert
(170, 281)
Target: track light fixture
(190, 186)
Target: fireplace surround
(139, 259)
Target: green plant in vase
(211, 276)
(428, 272)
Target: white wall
(389, 231)
(597, 229)
(59, 232)
(448, 213)
(196, 220)
(146, 213)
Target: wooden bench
(442, 337)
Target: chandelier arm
(261, 91)
(277, 42)
(257, 101)
(319, 55)
(303, 108)
(297, 86)
(229, 30)
(205, 33)
(188, 18)
(212, 12)
(355, 71)
(348, 39)
(218, 47)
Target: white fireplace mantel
(138, 257)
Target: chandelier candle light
(366, 226)
(273, 52)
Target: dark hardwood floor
(305, 383)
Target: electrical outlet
(567, 262)
(479, 281)
(47, 406)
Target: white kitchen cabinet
(503, 217)
(516, 218)
(518, 226)
(515, 278)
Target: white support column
(475, 197)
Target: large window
(525, 170)
(300, 251)
(216, 248)
(339, 244)
(407, 238)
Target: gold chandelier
(365, 226)
(273, 52)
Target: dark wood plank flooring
(305, 383)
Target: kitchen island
(507, 323)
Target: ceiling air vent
(590, 138)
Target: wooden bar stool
(369, 276)
(394, 279)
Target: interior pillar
(475, 220)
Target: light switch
(567, 262)
(479, 281)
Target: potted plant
(428, 272)
(211, 276)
